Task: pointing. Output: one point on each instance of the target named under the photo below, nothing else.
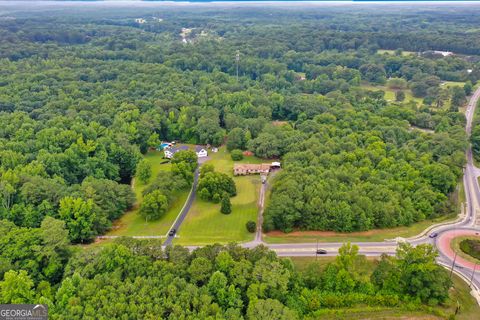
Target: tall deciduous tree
(154, 206)
(80, 217)
(144, 171)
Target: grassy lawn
(131, 224)
(390, 93)
(371, 235)
(404, 53)
(450, 84)
(205, 224)
(460, 292)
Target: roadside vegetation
(231, 281)
(471, 247)
(459, 294)
(467, 247)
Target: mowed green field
(205, 224)
(450, 84)
(390, 93)
(131, 223)
(404, 53)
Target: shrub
(251, 226)
(226, 207)
(471, 247)
(236, 155)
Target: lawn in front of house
(131, 223)
(205, 224)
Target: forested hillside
(81, 99)
(365, 117)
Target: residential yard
(205, 224)
(469, 308)
(131, 224)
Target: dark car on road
(321, 251)
(433, 235)
(172, 232)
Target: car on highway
(172, 232)
(321, 251)
(433, 235)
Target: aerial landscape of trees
(226, 282)
(364, 114)
(83, 102)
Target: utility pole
(237, 60)
(453, 265)
(473, 274)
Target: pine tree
(226, 205)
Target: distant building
(443, 53)
(246, 169)
(201, 151)
(170, 152)
(438, 52)
(275, 165)
(242, 169)
(140, 20)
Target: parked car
(433, 235)
(172, 232)
(321, 251)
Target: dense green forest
(136, 279)
(81, 98)
(84, 95)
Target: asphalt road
(183, 213)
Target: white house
(140, 20)
(169, 152)
(201, 151)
